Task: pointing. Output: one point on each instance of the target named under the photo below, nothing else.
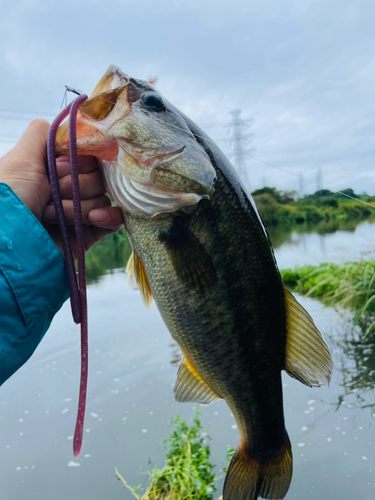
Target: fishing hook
(65, 98)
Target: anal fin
(191, 388)
(307, 357)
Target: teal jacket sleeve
(33, 282)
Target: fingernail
(99, 216)
(49, 213)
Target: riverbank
(280, 208)
(350, 286)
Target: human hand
(24, 169)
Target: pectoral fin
(131, 273)
(138, 278)
(306, 357)
(191, 388)
(190, 260)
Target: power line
(8, 114)
(319, 179)
(300, 185)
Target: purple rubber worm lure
(78, 296)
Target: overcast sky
(304, 70)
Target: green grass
(350, 285)
(187, 473)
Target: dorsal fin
(306, 356)
(190, 387)
(138, 278)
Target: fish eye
(153, 101)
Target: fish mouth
(143, 178)
(92, 139)
(141, 187)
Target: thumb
(107, 217)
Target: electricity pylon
(239, 140)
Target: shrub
(188, 472)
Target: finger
(49, 214)
(90, 185)
(109, 217)
(86, 164)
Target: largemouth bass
(201, 251)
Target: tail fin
(251, 477)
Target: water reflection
(329, 242)
(283, 234)
(104, 258)
(175, 354)
(357, 366)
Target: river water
(130, 396)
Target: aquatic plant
(350, 285)
(187, 473)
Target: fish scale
(223, 329)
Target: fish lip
(167, 156)
(149, 162)
(192, 186)
(156, 164)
